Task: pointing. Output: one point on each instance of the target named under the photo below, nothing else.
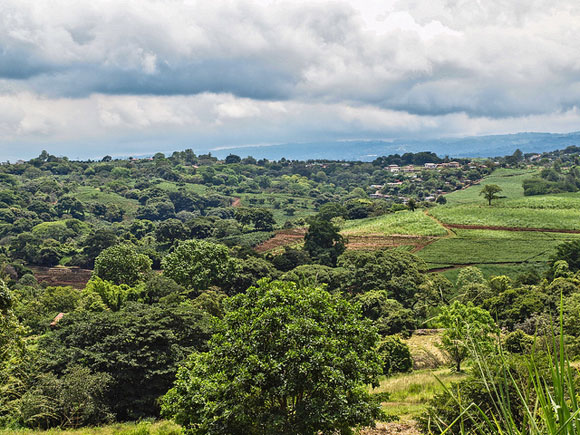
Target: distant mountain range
(366, 150)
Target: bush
(395, 356)
(73, 400)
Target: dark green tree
(285, 360)
(139, 347)
(323, 242)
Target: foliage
(463, 323)
(399, 273)
(490, 191)
(395, 356)
(323, 242)
(139, 346)
(75, 399)
(198, 264)
(285, 360)
(121, 264)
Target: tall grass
(548, 398)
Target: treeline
(553, 180)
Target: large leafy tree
(198, 264)
(139, 346)
(467, 328)
(323, 242)
(122, 264)
(285, 360)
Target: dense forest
(181, 315)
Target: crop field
(472, 247)
(401, 223)
(504, 216)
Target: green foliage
(121, 264)
(139, 347)
(490, 192)
(323, 242)
(284, 360)
(75, 399)
(395, 356)
(197, 264)
(113, 296)
(463, 323)
(399, 273)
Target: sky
(131, 77)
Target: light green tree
(467, 327)
(490, 192)
(122, 264)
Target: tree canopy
(284, 360)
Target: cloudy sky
(127, 77)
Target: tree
(121, 264)
(395, 355)
(489, 192)
(284, 360)
(75, 399)
(139, 347)
(411, 204)
(466, 327)
(197, 264)
(232, 158)
(323, 242)
(570, 253)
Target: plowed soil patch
(363, 242)
(62, 276)
(281, 239)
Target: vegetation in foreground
(181, 317)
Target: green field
(404, 223)
(510, 180)
(89, 194)
(467, 207)
(502, 214)
(472, 247)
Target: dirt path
(237, 202)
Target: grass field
(503, 215)
(467, 207)
(404, 223)
(89, 194)
(410, 392)
(162, 427)
(489, 247)
(510, 180)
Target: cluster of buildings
(411, 168)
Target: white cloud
(275, 70)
